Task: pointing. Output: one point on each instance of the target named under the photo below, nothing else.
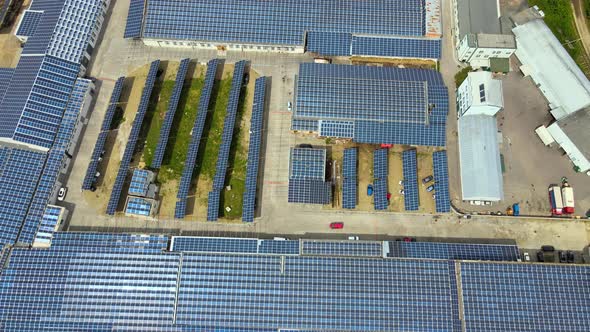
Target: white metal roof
(573, 152)
(481, 171)
(492, 89)
(551, 67)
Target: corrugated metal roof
(481, 172)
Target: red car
(337, 225)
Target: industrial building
(382, 28)
(106, 282)
(376, 105)
(478, 34)
(43, 102)
(561, 81)
(479, 98)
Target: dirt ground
(10, 50)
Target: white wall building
(480, 93)
(478, 34)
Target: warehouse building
(561, 81)
(376, 105)
(479, 98)
(478, 34)
(382, 28)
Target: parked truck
(555, 200)
(567, 194)
(516, 209)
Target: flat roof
(478, 16)
(576, 127)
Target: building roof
(490, 95)
(478, 16)
(500, 65)
(5, 76)
(572, 134)
(481, 173)
(486, 40)
(551, 67)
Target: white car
(527, 257)
(353, 238)
(61, 194)
(289, 106)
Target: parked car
(562, 256)
(289, 106)
(370, 190)
(401, 192)
(306, 146)
(388, 196)
(427, 179)
(409, 239)
(61, 194)
(547, 248)
(430, 188)
(540, 256)
(97, 175)
(570, 256)
(526, 256)
(337, 225)
(353, 238)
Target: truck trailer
(567, 194)
(555, 200)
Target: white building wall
(468, 98)
(575, 155)
(227, 46)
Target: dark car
(306, 146)
(570, 256)
(548, 248)
(540, 256)
(427, 179)
(562, 256)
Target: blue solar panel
(90, 178)
(213, 201)
(172, 105)
(214, 244)
(410, 172)
(134, 19)
(340, 129)
(108, 117)
(372, 104)
(48, 224)
(138, 206)
(5, 77)
(228, 125)
(442, 199)
(342, 248)
(380, 190)
(307, 163)
(349, 172)
(29, 22)
(381, 163)
(256, 127)
(304, 125)
(140, 182)
(133, 135)
(455, 251)
(197, 133)
(519, 297)
(107, 242)
(309, 191)
(283, 247)
(329, 43)
(396, 47)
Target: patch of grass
(462, 75)
(158, 112)
(236, 175)
(559, 17)
(180, 133)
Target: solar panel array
(342, 248)
(89, 178)
(133, 136)
(5, 77)
(309, 191)
(48, 225)
(138, 206)
(442, 199)
(256, 128)
(454, 251)
(283, 247)
(380, 174)
(140, 182)
(349, 183)
(329, 43)
(169, 117)
(385, 104)
(29, 22)
(134, 19)
(197, 133)
(307, 173)
(426, 48)
(213, 201)
(410, 172)
(108, 242)
(214, 244)
(226, 139)
(525, 297)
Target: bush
(462, 75)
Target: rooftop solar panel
(197, 133)
(139, 182)
(454, 251)
(396, 47)
(5, 77)
(442, 199)
(329, 43)
(133, 135)
(410, 172)
(309, 191)
(342, 248)
(304, 125)
(138, 206)
(81, 242)
(256, 127)
(28, 23)
(285, 247)
(214, 244)
(349, 172)
(169, 117)
(306, 163)
(134, 19)
(340, 129)
(48, 225)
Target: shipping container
(555, 200)
(567, 194)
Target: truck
(567, 194)
(555, 200)
(516, 209)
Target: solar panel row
(256, 128)
(341, 129)
(442, 199)
(105, 242)
(197, 133)
(410, 172)
(169, 117)
(138, 206)
(226, 140)
(342, 248)
(139, 182)
(304, 125)
(234, 245)
(133, 135)
(454, 251)
(48, 224)
(134, 19)
(90, 178)
(309, 191)
(380, 175)
(349, 172)
(28, 23)
(306, 163)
